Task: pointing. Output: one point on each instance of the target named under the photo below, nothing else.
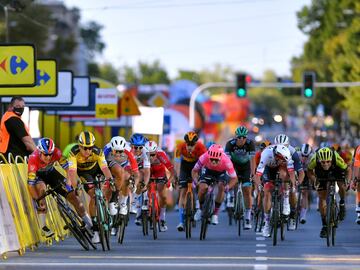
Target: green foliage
(61, 49)
(105, 71)
(146, 73)
(92, 39)
(188, 75)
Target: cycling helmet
(215, 151)
(151, 146)
(241, 131)
(86, 139)
(46, 146)
(306, 150)
(283, 152)
(281, 139)
(118, 143)
(191, 137)
(324, 154)
(138, 139)
(264, 144)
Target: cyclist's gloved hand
(227, 188)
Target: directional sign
(46, 82)
(17, 65)
(158, 100)
(106, 103)
(128, 105)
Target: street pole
(6, 12)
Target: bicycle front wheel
(239, 210)
(206, 215)
(275, 219)
(122, 225)
(153, 215)
(329, 220)
(188, 215)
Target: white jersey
(268, 159)
(143, 159)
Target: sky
(247, 35)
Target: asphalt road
(302, 249)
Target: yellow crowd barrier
(19, 224)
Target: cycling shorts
(185, 173)
(209, 176)
(89, 176)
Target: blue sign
(167, 124)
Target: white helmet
(281, 139)
(118, 143)
(151, 146)
(306, 150)
(283, 151)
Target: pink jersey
(225, 164)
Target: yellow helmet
(191, 137)
(324, 154)
(86, 139)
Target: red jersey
(35, 163)
(257, 157)
(193, 156)
(159, 163)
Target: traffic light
(308, 84)
(241, 90)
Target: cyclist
(123, 165)
(274, 158)
(87, 161)
(159, 163)
(325, 164)
(241, 151)
(290, 206)
(41, 171)
(186, 155)
(305, 156)
(257, 157)
(356, 182)
(214, 164)
(137, 142)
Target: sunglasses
(241, 137)
(190, 144)
(280, 157)
(87, 148)
(214, 160)
(325, 161)
(118, 151)
(138, 147)
(152, 155)
(47, 155)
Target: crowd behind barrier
(19, 224)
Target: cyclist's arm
(198, 166)
(230, 171)
(252, 158)
(311, 169)
(104, 166)
(72, 175)
(32, 169)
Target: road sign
(46, 82)
(167, 124)
(158, 100)
(106, 103)
(17, 65)
(128, 105)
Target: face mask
(18, 111)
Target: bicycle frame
(208, 209)
(239, 208)
(277, 207)
(189, 209)
(154, 208)
(332, 211)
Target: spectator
(14, 135)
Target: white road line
(260, 267)
(259, 233)
(261, 251)
(260, 238)
(261, 258)
(260, 245)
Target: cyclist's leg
(244, 177)
(321, 189)
(268, 178)
(284, 176)
(184, 177)
(162, 192)
(304, 199)
(124, 192)
(340, 174)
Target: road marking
(312, 259)
(261, 259)
(180, 265)
(260, 238)
(259, 233)
(261, 245)
(261, 251)
(260, 267)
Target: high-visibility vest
(4, 134)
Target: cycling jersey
(126, 159)
(267, 159)
(35, 163)
(240, 155)
(159, 163)
(143, 159)
(225, 165)
(78, 162)
(357, 157)
(257, 157)
(182, 153)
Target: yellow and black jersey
(79, 162)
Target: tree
(92, 38)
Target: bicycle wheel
(153, 215)
(101, 222)
(188, 215)
(71, 223)
(230, 211)
(298, 210)
(282, 220)
(275, 218)
(335, 222)
(144, 220)
(122, 225)
(206, 215)
(239, 210)
(329, 219)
